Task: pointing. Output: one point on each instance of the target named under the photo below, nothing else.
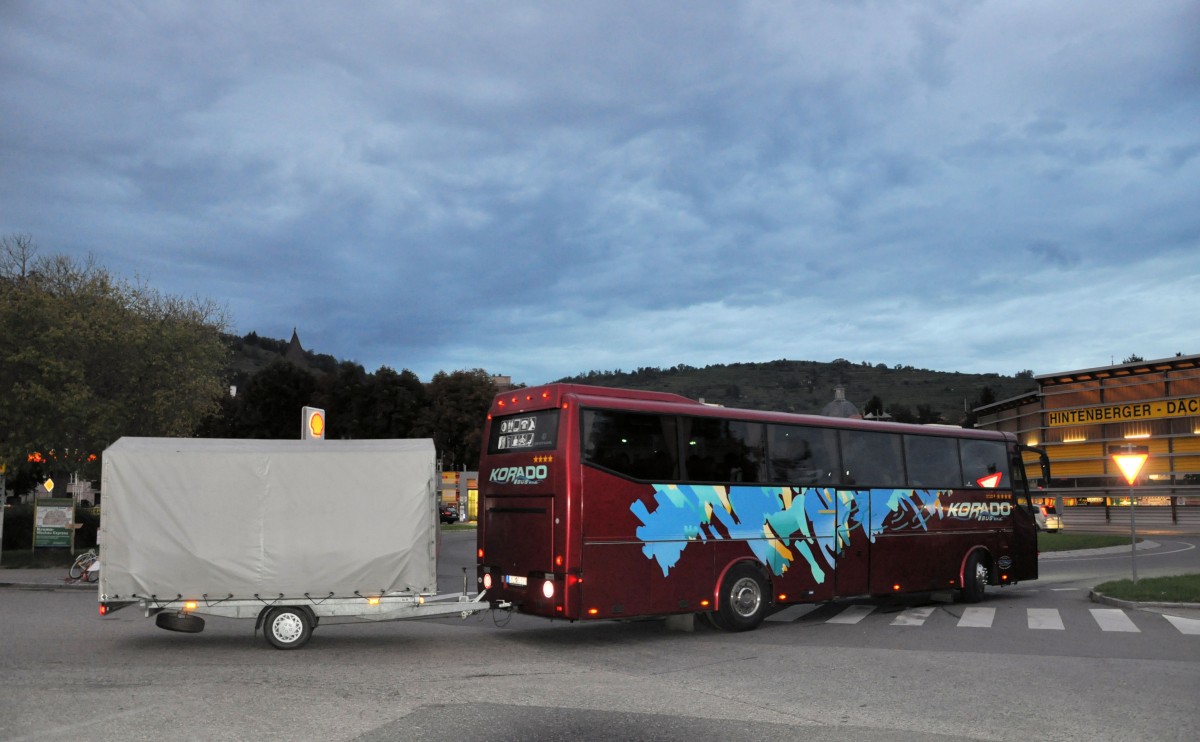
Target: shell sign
(312, 424)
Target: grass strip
(1177, 589)
(1070, 541)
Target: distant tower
(295, 351)
(840, 406)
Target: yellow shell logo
(316, 424)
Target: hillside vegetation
(907, 393)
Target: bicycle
(82, 568)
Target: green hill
(908, 394)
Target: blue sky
(543, 189)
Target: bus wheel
(975, 578)
(287, 628)
(743, 599)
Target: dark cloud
(542, 190)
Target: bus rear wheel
(742, 603)
(975, 578)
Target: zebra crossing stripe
(852, 614)
(793, 612)
(1190, 626)
(1045, 618)
(913, 616)
(1113, 619)
(977, 617)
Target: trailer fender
(262, 616)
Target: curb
(45, 586)
(1142, 545)
(1109, 600)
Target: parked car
(1047, 518)
(448, 514)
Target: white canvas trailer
(286, 532)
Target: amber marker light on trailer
(705, 604)
(103, 610)
(373, 600)
(593, 611)
(189, 606)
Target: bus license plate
(516, 581)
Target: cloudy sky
(546, 188)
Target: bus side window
(720, 450)
(636, 445)
(981, 459)
(933, 462)
(872, 459)
(802, 456)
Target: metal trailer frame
(180, 614)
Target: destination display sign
(1184, 407)
(531, 432)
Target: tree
(874, 406)
(458, 406)
(88, 358)
(1134, 358)
(394, 402)
(272, 402)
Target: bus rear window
(529, 431)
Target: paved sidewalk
(45, 578)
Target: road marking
(852, 614)
(913, 616)
(793, 612)
(977, 618)
(1113, 619)
(1045, 618)
(1185, 625)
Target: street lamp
(1130, 459)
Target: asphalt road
(1036, 662)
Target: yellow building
(1078, 415)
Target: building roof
(840, 406)
(1123, 369)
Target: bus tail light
(705, 603)
(782, 597)
(487, 580)
(103, 610)
(593, 611)
(558, 560)
(479, 553)
(548, 588)
(896, 588)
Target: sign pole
(1130, 459)
(3, 504)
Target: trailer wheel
(287, 627)
(975, 578)
(179, 622)
(742, 603)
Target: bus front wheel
(976, 575)
(743, 599)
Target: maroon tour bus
(599, 503)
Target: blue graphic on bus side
(779, 524)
